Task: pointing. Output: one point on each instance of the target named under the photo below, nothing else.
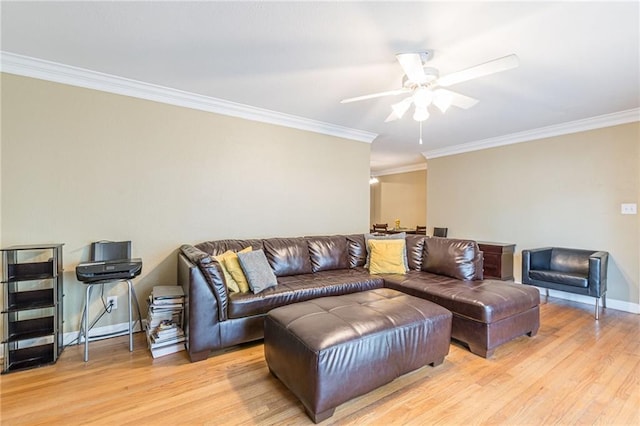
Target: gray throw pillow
(399, 236)
(257, 270)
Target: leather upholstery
(330, 350)
(481, 309)
(328, 253)
(572, 270)
(415, 250)
(572, 261)
(288, 256)
(200, 312)
(485, 301)
(357, 250)
(564, 278)
(453, 258)
(298, 288)
(216, 248)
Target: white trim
(607, 120)
(51, 71)
(619, 305)
(401, 169)
(108, 331)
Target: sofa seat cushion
(564, 278)
(485, 301)
(298, 288)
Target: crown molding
(607, 120)
(402, 169)
(26, 66)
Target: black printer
(108, 270)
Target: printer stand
(85, 314)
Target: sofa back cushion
(357, 250)
(288, 256)
(328, 253)
(415, 251)
(451, 257)
(218, 247)
(570, 260)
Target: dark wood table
(498, 259)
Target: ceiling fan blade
(398, 109)
(491, 67)
(375, 95)
(392, 117)
(412, 66)
(401, 107)
(457, 99)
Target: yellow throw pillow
(235, 270)
(232, 285)
(387, 257)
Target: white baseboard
(70, 337)
(618, 305)
(104, 332)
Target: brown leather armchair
(572, 270)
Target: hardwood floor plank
(575, 371)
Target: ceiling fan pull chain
(421, 133)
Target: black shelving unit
(32, 305)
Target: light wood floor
(575, 371)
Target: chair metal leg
(86, 322)
(84, 312)
(547, 294)
(597, 308)
(130, 318)
(135, 300)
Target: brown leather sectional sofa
(448, 272)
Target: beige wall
(400, 196)
(561, 191)
(80, 165)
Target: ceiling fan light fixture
(442, 99)
(422, 97)
(421, 113)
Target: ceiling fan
(428, 88)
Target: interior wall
(80, 165)
(563, 191)
(400, 196)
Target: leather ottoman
(332, 349)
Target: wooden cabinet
(32, 305)
(498, 260)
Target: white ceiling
(577, 59)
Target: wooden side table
(498, 259)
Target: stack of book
(164, 320)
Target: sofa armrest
(201, 324)
(539, 258)
(213, 275)
(598, 263)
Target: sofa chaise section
(486, 313)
